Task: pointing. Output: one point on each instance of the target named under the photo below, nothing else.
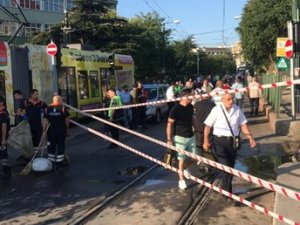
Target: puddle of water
(154, 182)
(264, 167)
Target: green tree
(184, 63)
(91, 22)
(149, 42)
(263, 21)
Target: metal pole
(198, 60)
(290, 35)
(295, 61)
(164, 50)
(54, 75)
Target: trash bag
(20, 139)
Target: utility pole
(295, 61)
(66, 28)
(163, 69)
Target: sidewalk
(288, 174)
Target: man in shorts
(180, 131)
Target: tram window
(94, 81)
(83, 84)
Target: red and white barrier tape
(190, 177)
(266, 184)
(216, 93)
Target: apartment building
(41, 15)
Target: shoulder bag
(236, 139)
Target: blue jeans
(239, 102)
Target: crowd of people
(210, 124)
(129, 117)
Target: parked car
(156, 92)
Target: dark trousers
(56, 149)
(133, 122)
(139, 116)
(226, 156)
(36, 132)
(115, 131)
(3, 155)
(254, 103)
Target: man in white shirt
(222, 135)
(217, 98)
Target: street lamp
(196, 50)
(163, 70)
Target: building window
(32, 28)
(83, 84)
(8, 27)
(47, 27)
(94, 81)
(6, 2)
(30, 4)
(54, 6)
(70, 4)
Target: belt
(224, 137)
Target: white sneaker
(182, 185)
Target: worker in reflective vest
(57, 116)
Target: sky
(201, 18)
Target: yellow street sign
(280, 50)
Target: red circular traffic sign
(289, 49)
(51, 49)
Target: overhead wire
(164, 12)
(170, 18)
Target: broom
(27, 168)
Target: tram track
(200, 201)
(188, 217)
(102, 204)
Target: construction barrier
(190, 177)
(263, 183)
(200, 96)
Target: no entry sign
(289, 49)
(51, 49)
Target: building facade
(41, 15)
(237, 54)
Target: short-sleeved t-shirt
(183, 116)
(34, 111)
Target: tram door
(67, 86)
(2, 84)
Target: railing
(272, 95)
